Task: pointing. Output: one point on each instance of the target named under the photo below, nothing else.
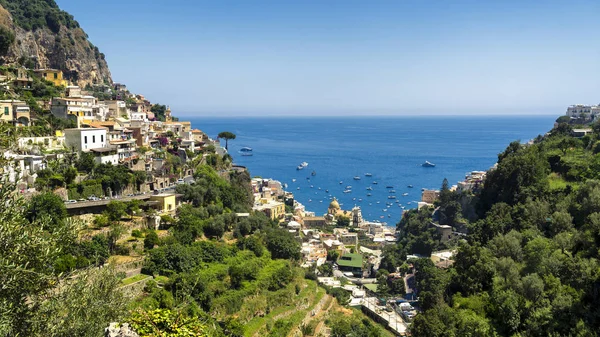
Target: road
(90, 203)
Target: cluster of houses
(118, 131)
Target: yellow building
(273, 209)
(52, 75)
(165, 202)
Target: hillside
(528, 265)
(37, 34)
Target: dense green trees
(529, 264)
(35, 14)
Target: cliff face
(64, 48)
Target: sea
(341, 151)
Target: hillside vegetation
(529, 264)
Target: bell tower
(168, 117)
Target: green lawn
(311, 291)
(134, 279)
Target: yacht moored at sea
(404, 194)
(356, 178)
(392, 191)
(246, 151)
(313, 173)
(347, 191)
(389, 186)
(368, 175)
(374, 183)
(410, 186)
(428, 164)
(391, 197)
(299, 167)
(369, 188)
(304, 164)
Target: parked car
(70, 201)
(180, 181)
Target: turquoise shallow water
(392, 149)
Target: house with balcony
(105, 155)
(78, 109)
(15, 112)
(126, 150)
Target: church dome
(334, 204)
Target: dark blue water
(390, 148)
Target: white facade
(85, 139)
(111, 158)
(581, 110)
(139, 116)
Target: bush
(151, 240)
(136, 233)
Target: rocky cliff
(37, 34)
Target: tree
(343, 221)
(282, 245)
(48, 205)
(397, 286)
(151, 239)
(166, 322)
(115, 210)
(227, 136)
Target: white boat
(299, 167)
(369, 188)
(341, 182)
(368, 175)
(348, 187)
(428, 164)
(304, 164)
(392, 191)
(391, 197)
(374, 183)
(294, 180)
(347, 191)
(368, 194)
(404, 194)
(357, 178)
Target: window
(94, 139)
(102, 138)
(55, 75)
(85, 139)
(6, 111)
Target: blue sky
(345, 57)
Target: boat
(378, 202)
(423, 189)
(313, 173)
(410, 186)
(326, 191)
(368, 175)
(408, 203)
(357, 178)
(374, 183)
(304, 164)
(392, 191)
(298, 188)
(348, 187)
(319, 188)
(391, 197)
(309, 200)
(246, 151)
(404, 194)
(311, 186)
(359, 199)
(389, 186)
(341, 182)
(369, 188)
(428, 164)
(347, 191)
(353, 199)
(368, 194)
(294, 180)
(299, 167)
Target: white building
(582, 110)
(139, 116)
(85, 139)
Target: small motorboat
(368, 194)
(341, 182)
(392, 191)
(304, 164)
(368, 175)
(347, 191)
(374, 183)
(404, 194)
(389, 186)
(428, 164)
(353, 199)
(311, 186)
(369, 188)
(298, 188)
(410, 186)
(294, 180)
(423, 189)
(313, 173)
(391, 197)
(299, 167)
(357, 178)
(326, 191)
(348, 187)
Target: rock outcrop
(67, 49)
(122, 330)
